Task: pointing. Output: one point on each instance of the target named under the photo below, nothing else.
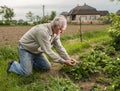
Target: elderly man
(37, 41)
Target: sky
(21, 7)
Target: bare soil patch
(10, 35)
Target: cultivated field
(11, 35)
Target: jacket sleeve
(60, 49)
(45, 45)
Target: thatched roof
(118, 12)
(103, 13)
(83, 10)
(64, 13)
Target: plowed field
(10, 35)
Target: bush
(114, 31)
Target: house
(103, 13)
(65, 14)
(85, 14)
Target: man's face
(57, 30)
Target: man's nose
(61, 31)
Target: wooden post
(80, 30)
(43, 10)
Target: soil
(11, 35)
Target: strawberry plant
(93, 62)
(113, 69)
(115, 86)
(99, 48)
(110, 51)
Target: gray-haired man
(37, 41)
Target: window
(83, 18)
(92, 17)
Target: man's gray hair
(60, 22)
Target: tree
(45, 19)
(29, 16)
(2, 11)
(53, 14)
(7, 13)
(38, 18)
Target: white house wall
(85, 19)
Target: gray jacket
(40, 38)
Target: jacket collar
(50, 29)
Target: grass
(8, 52)
(40, 81)
(74, 46)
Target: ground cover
(58, 78)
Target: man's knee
(47, 68)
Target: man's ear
(53, 28)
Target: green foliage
(29, 16)
(8, 53)
(92, 62)
(115, 86)
(69, 37)
(60, 84)
(105, 19)
(94, 34)
(44, 19)
(114, 31)
(36, 86)
(1, 22)
(35, 82)
(104, 80)
(53, 14)
(98, 60)
(99, 48)
(25, 23)
(74, 48)
(112, 69)
(96, 87)
(110, 51)
(6, 12)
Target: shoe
(9, 65)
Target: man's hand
(70, 62)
